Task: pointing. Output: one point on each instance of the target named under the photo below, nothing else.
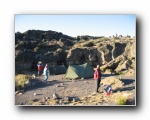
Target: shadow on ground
(37, 83)
(124, 89)
(128, 81)
(108, 75)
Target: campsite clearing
(80, 88)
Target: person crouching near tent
(46, 73)
(40, 68)
(108, 89)
(97, 77)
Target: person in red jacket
(40, 68)
(97, 77)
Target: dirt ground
(80, 88)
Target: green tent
(79, 71)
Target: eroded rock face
(106, 53)
(113, 64)
(124, 65)
(34, 45)
(130, 50)
(55, 48)
(39, 35)
(118, 49)
(102, 55)
(83, 55)
(54, 57)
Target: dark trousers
(97, 82)
(40, 72)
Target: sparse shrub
(81, 41)
(102, 39)
(119, 73)
(76, 45)
(88, 44)
(112, 83)
(103, 69)
(31, 100)
(20, 80)
(109, 70)
(36, 49)
(121, 101)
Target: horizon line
(70, 35)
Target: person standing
(40, 68)
(46, 73)
(97, 77)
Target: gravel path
(62, 87)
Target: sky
(74, 25)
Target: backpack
(107, 88)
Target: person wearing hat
(46, 73)
(40, 68)
(97, 77)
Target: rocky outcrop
(130, 50)
(87, 37)
(83, 55)
(113, 64)
(34, 45)
(54, 57)
(93, 55)
(106, 53)
(40, 35)
(55, 48)
(124, 65)
(118, 49)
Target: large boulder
(82, 55)
(130, 50)
(113, 64)
(106, 53)
(123, 66)
(118, 49)
(57, 57)
(24, 56)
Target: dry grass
(77, 45)
(20, 80)
(88, 44)
(119, 98)
(129, 72)
(121, 101)
(114, 81)
(108, 71)
(103, 68)
(81, 41)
